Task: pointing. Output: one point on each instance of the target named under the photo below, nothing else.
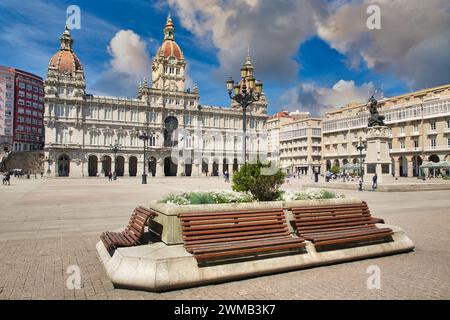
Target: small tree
(262, 187)
(335, 169)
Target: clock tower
(169, 65)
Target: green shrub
(335, 169)
(262, 187)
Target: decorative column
(180, 168)
(397, 167)
(195, 169)
(126, 168)
(410, 168)
(159, 168)
(378, 159)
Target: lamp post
(48, 159)
(115, 148)
(361, 146)
(245, 98)
(145, 136)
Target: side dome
(65, 60)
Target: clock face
(172, 60)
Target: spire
(66, 40)
(169, 29)
(248, 61)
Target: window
(433, 126)
(21, 102)
(416, 144)
(108, 114)
(152, 141)
(433, 143)
(416, 128)
(448, 124)
(21, 85)
(448, 142)
(120, 115)
(94, 112)
(134, 115)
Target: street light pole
(145, 136)
(245, 98)
(115, 148)
(360, 148)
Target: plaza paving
(47, 225)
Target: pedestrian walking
(110, 176)
(7, 178)
(226, 176)
(316, 176)
(375, 182)
(360, 182)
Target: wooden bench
(338, 224)
(132, 233)
(215, 235)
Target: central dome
(169, 47)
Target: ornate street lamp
(245, 98)
(145, 136)
(115, 148)
(48, 159)
(361, 146)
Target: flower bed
(225, 196)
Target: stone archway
(170, 125)
(215, 168)
(235, 165)
(225, 166)
(416, 162)
(132, 166)
(152, 166)
(120, 166)
(170, 167)
(205, 168)
(106, 165)
(63, 165)
(328, 165)
(403, 166)
(92, 166)
(188, 167)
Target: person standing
(374, 182)
(110, 175)
(360, 182)
(316, 176)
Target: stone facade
(187, 138)
(418, 124)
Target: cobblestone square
(48, 225)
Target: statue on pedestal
(375, 119)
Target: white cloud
(129, 54)
(318, 100)
(129, 63)
(412, 44)
(272, 29)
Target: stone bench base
(160, 267)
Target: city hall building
(186, 138)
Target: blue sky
(305, 51)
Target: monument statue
(375, 120)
